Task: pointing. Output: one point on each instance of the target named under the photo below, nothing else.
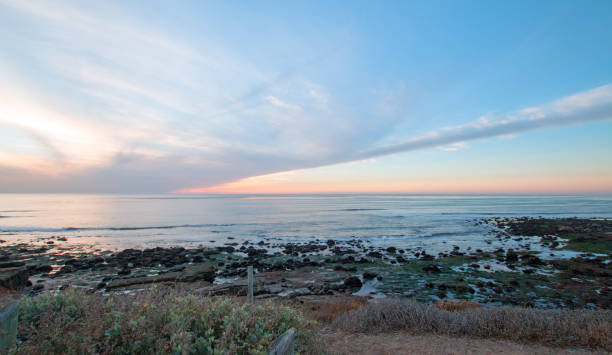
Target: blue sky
(390, 96)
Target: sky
(306, 97)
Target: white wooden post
(250, 272)
(283, 345)
(8, 324)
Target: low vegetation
(456, 306)
(156, 322)
(326, 309)
(564, 328)
(166, 321)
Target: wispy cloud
(106, 103)
(592, 105)
(279, 103)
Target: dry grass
(326, 309)
(341, 343)
(565, 328)
(456, 306)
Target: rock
(426, 257)
(391, 250)
(202, 272)
(43, 269)
(352, 282)
(511, 256)
(254, 252)
(11, 264)
(432, 268)
(125, 271)
(13, 278)
(348, 260)
(177, 268)
(368, 275)
(198, 272)
(374, 254)
(532, 260)
(464, 289)
(118, 283)
(344, 268)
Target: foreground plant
(156, 321)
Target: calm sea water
(119, 221)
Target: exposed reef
(536, 262)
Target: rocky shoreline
(535, 262)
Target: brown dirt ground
(403, 343)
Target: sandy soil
(402, 343)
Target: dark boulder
(427, 257)
(374, 254)
(511, 256)
(532, 260)
(369, 275)
(352, 282)
(11, 264)
(344, 268)
(432, 268)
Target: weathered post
(8, 324)
(283, 345)
(250, 272)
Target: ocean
(112, 222)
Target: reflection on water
(116, 221)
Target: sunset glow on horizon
(399, 97)
(279, 184)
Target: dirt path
(402, 343)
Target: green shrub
(156, 321)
